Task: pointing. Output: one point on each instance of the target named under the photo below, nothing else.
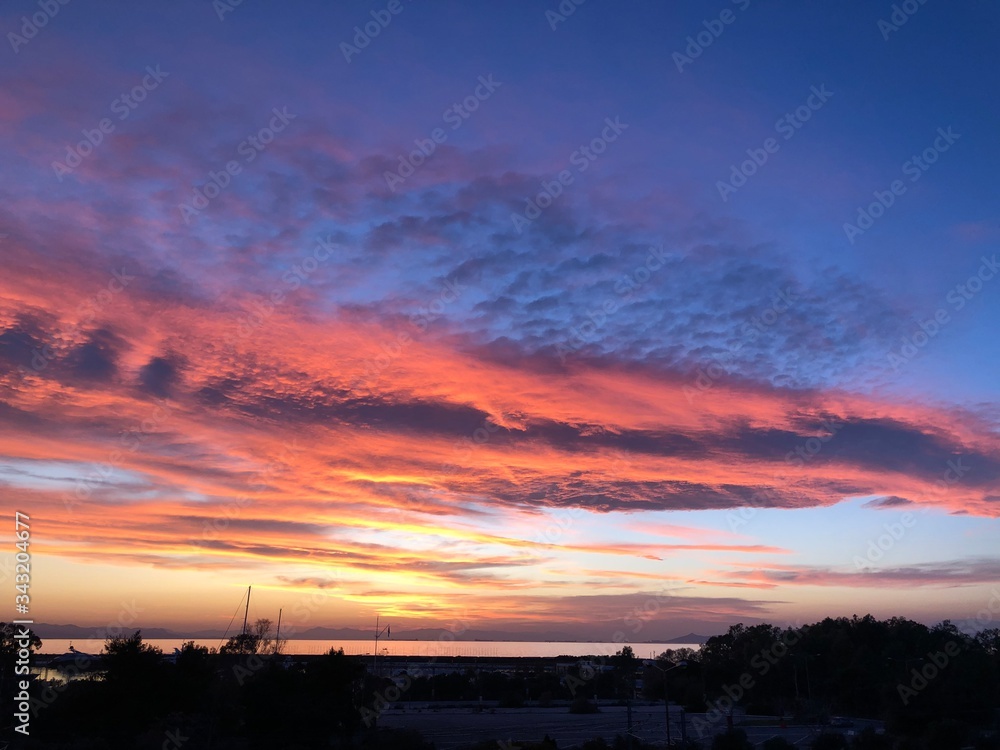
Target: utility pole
(666, 698)
(628, 706)
(666, 708)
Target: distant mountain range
(47, 630)
(689, 638)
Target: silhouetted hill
(689, 638)
(48, 630)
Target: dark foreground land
(454, 728)
(904, 686)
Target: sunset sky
(504, 316)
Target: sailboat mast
(277, 635)
(246, 612)
(378, 632)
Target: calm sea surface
(404, 648)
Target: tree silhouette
(257, 640)
(9, 648)
(133, 684)
(856, 667)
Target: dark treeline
(924, 682)
(935, 688)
